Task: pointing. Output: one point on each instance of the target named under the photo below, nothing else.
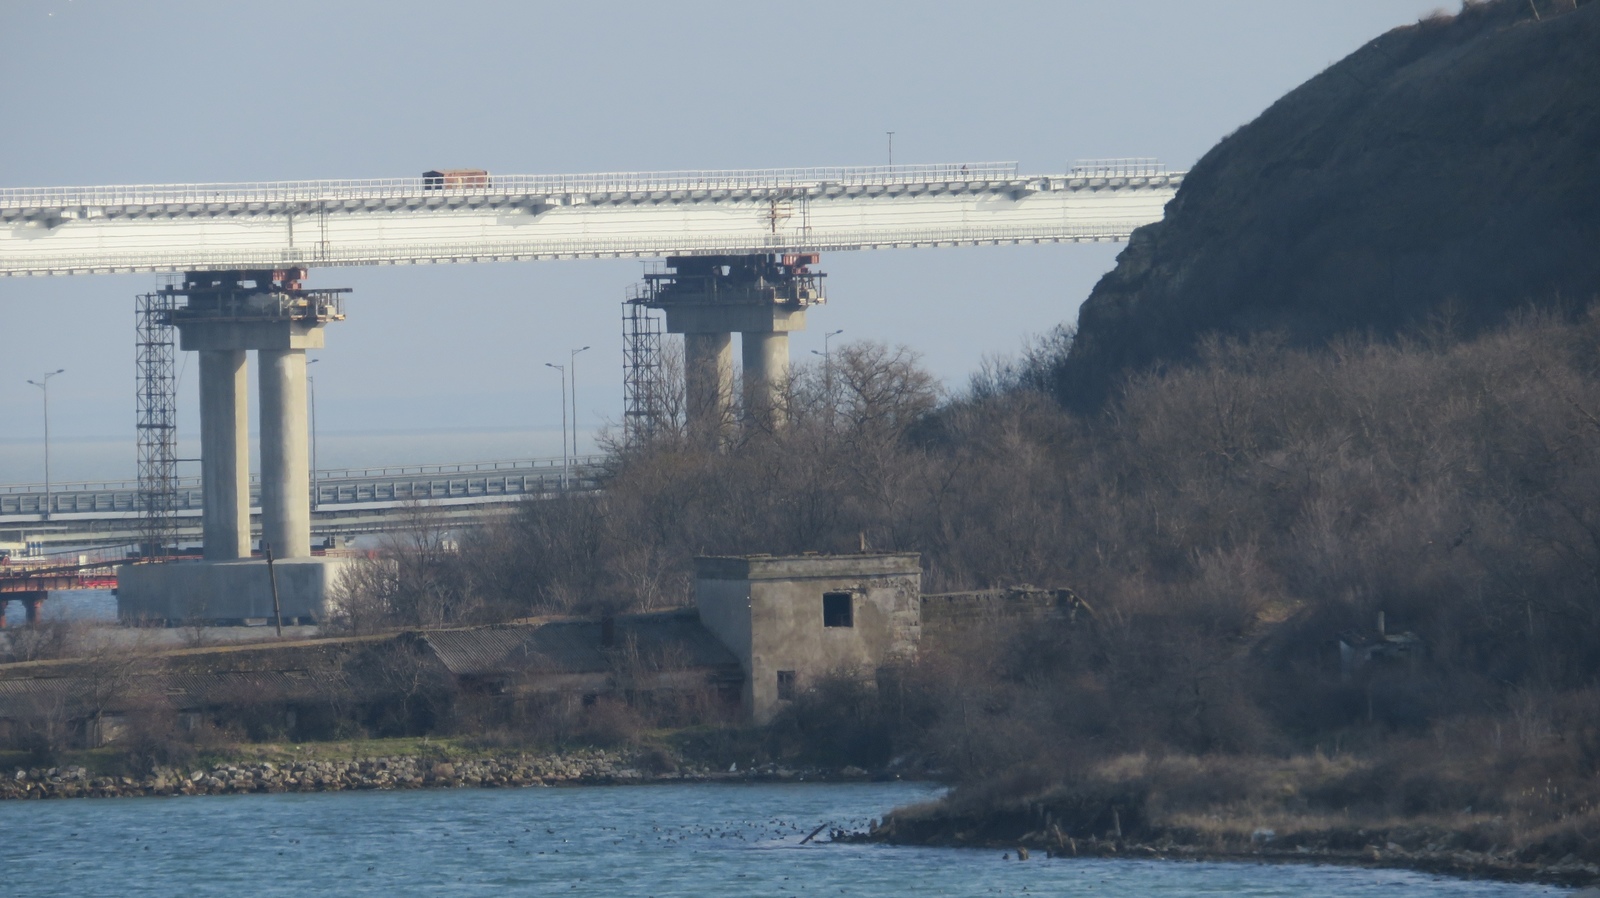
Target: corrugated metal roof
(238, 687)
(666, 640)
(51, 687)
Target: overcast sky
(447, 363)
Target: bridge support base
(707, 299)
(227, 591)
(30, 606)
(227, 314)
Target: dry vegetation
(1228, 522)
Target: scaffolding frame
(644, 405)
(156, 422)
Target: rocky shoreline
(588, 767)
(1417, 849)
(1410, 848)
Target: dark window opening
(837, 609)
(786, 685)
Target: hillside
(1448, 164)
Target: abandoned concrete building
(791, 619)
(763, 630)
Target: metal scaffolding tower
(644, 405)
(157, 424)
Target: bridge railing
(385, 188)
(1126, 167)
(392, 483)
(473, 467)
(70, 486)
(357, 485)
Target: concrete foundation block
(226, 591)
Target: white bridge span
(269, 225)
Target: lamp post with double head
(43, 383)
(572, 360)
(566, 460)
(827, 374)
(827, 362)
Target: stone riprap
(592, 767)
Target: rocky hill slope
(1452, 164)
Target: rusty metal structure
(454, 178)
(242, 297)
(755, 279)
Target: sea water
(701, 840)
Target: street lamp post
(572, 360)
(565, 459)
(827, 372)
(43, 383)
(311, 394)
(827, 361)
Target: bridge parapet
(204, 197)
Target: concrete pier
(30, 605)
(766, 377)
(285, 457)
(707, 299)
(225, 454)
(708, 385)
(230, 593)
(226, 315)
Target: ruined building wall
(945, 616)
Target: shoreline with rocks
(1414, 848)
(521, 770)
(1424, 849)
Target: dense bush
(1226, 521)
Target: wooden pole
(272, 575)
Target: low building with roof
(763, 630)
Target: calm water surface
(675, 840)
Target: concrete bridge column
(285, 460)
(760, 296)
(766, 376)
(225, 454)
(708, 385)
(30, 603)
(4, 601)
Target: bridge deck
(176, 227)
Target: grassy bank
(1311, 809)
